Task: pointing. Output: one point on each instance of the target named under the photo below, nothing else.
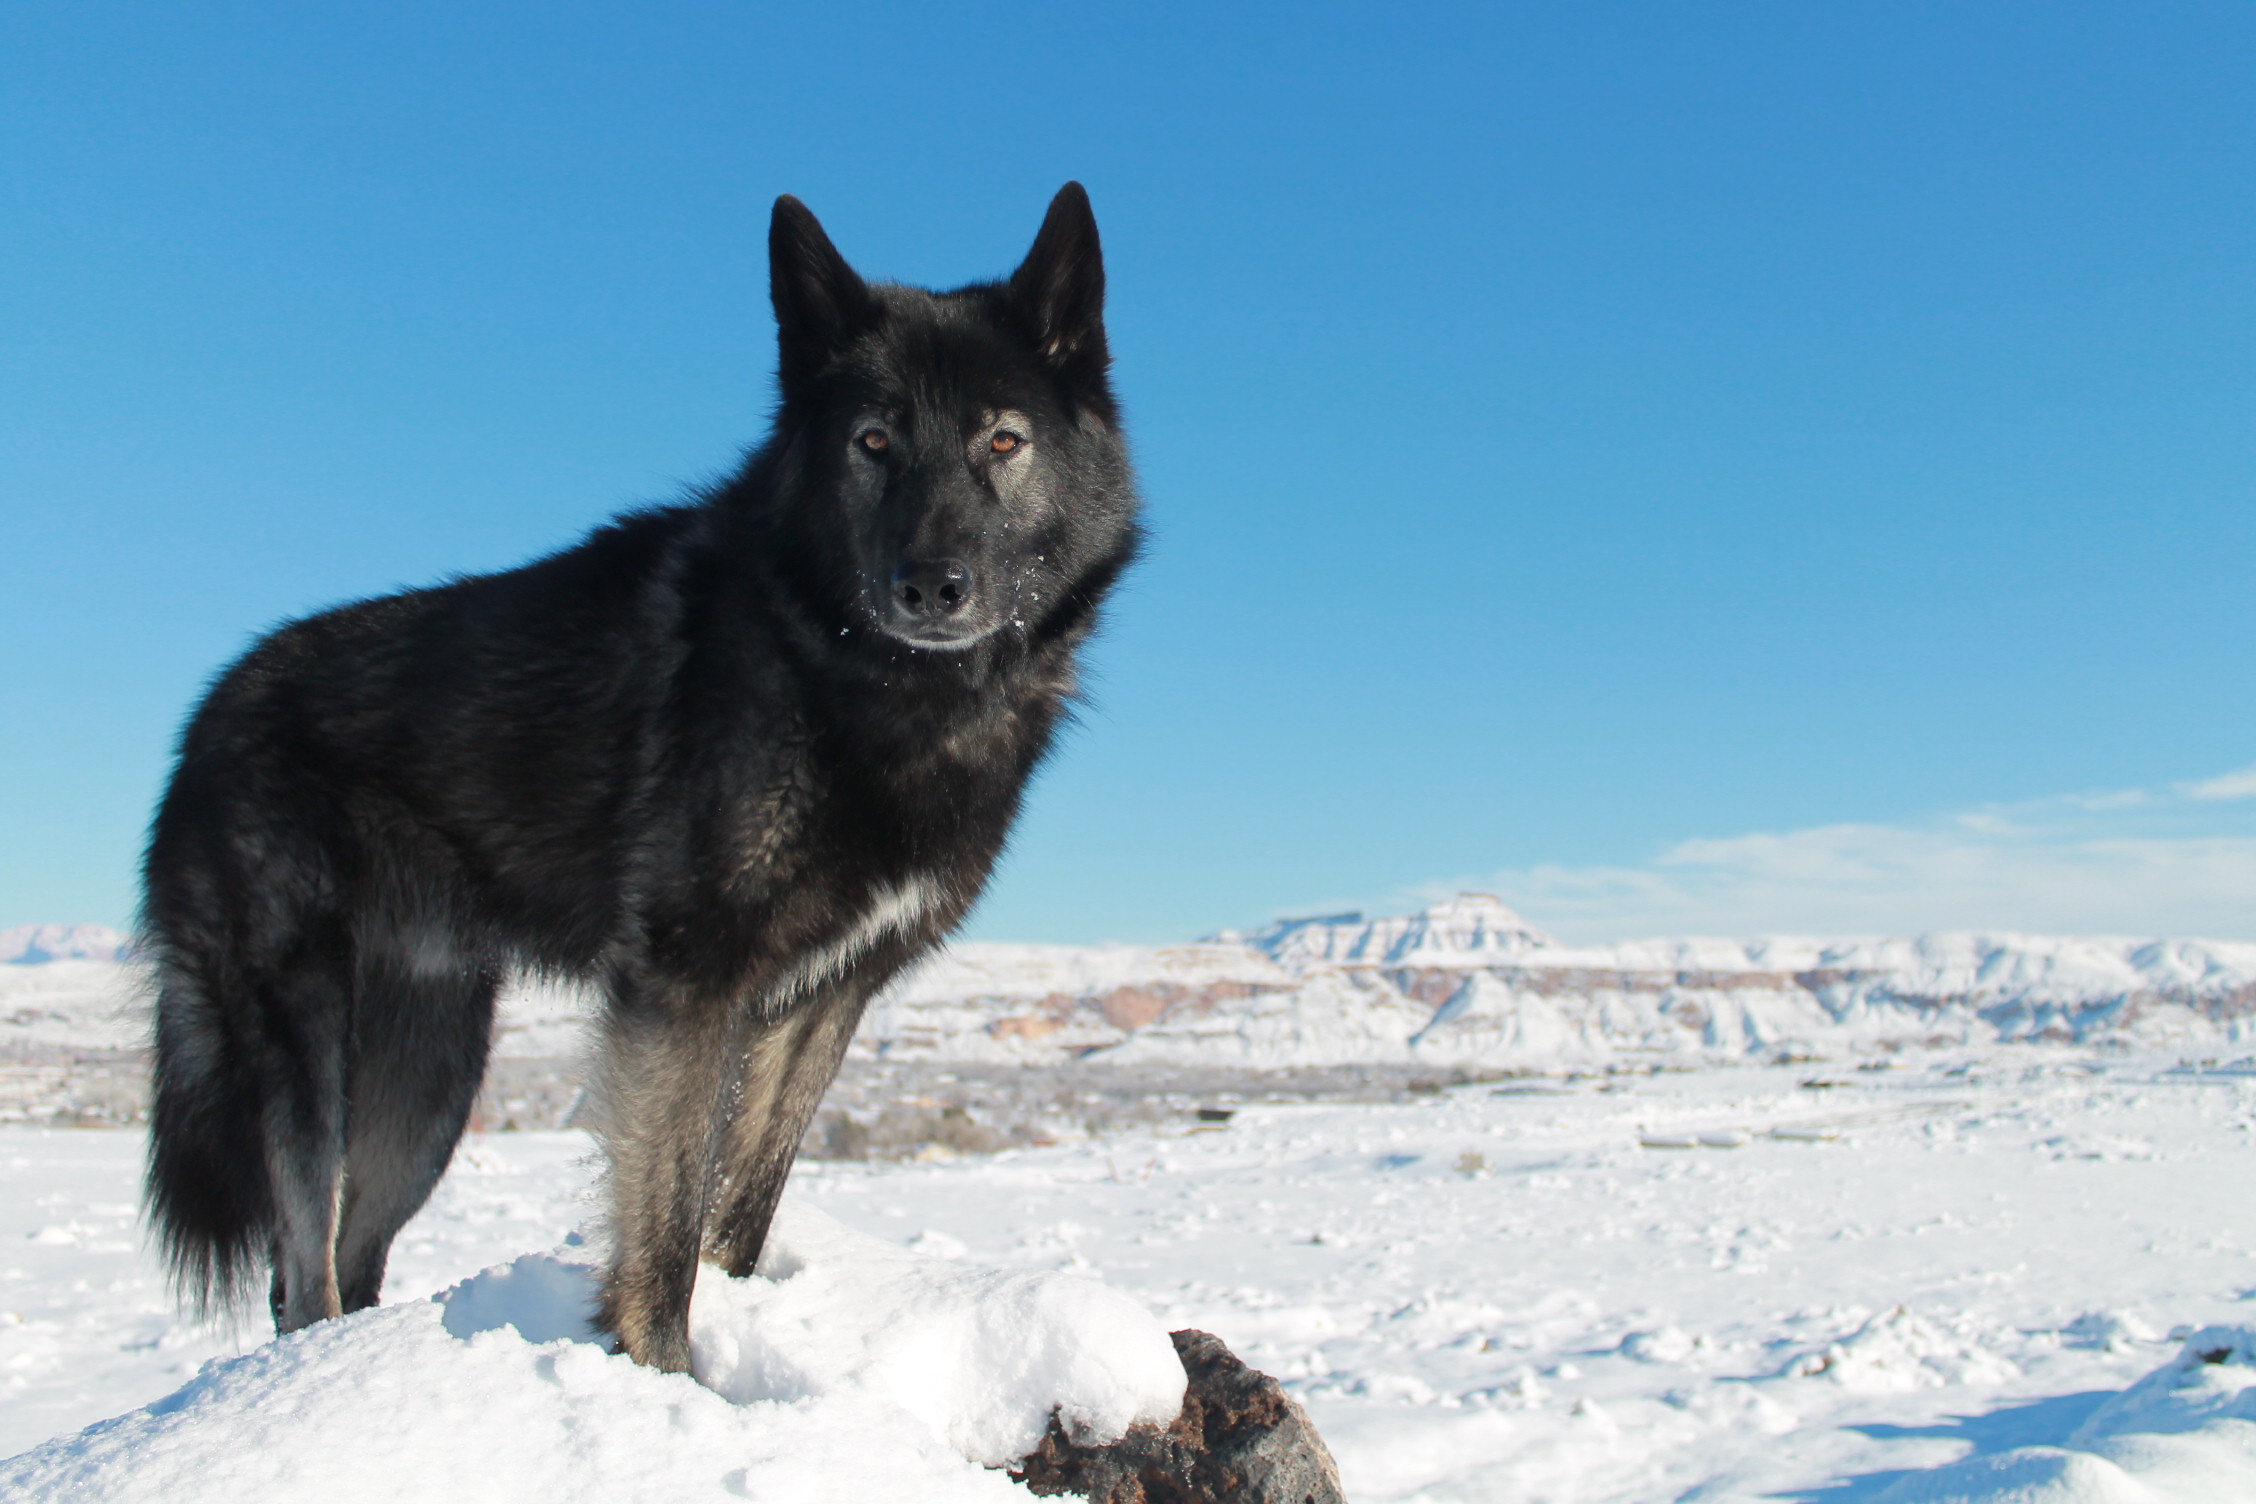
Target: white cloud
(2140, 863)
(2240, 785)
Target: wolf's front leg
(787, 1068)
(663, 1078)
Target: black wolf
(734, 762)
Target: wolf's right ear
(820, 301)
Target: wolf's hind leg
(420, 1037)
(304, 1008)
(788, 1067)
(662, 1074)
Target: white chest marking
(892, 907)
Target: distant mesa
(1467, 983)
(35, 944)
(1469, 925)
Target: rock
(1239, 1440)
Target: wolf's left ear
(1061, 286)
(820, 301)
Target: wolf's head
(955, 457)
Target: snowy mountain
(1465, 983)
(1469, 925)
(32, 944)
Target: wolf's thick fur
(734, 762)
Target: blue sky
(1726, 467)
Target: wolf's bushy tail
(211, 1195)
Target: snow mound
(981, 1356)
(847, 1368)
(2184, 1434)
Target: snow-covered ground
(1951, 1280)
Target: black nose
(932, 587)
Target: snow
(1947, 1281)
(847, 1368)
(389, 1405)
(1840, 1220)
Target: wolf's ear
(820, 301)
(1061, 286)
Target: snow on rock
(848, 1368)
(2184, 1434)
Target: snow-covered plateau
(1469, 983)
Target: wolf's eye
(1004, 442)
(875, 441)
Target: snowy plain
(1953, 1276)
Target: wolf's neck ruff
(736, 762)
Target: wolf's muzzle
(931, 590)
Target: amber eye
(875, 441)
(1004, 442)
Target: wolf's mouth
(954, 634)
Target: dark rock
(1239, 1440)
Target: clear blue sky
(1685, 466)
